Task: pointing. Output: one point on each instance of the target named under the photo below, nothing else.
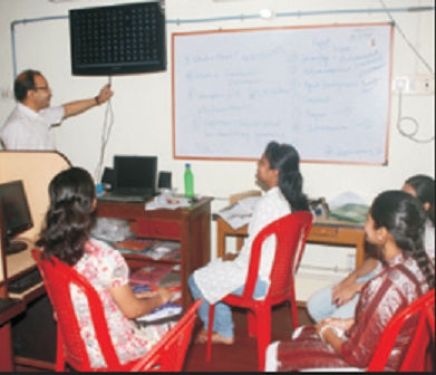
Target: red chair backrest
(58, 278)
(167, 355)
(290, 233)
(418, 319)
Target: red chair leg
(60, 363)
(294, 313)
(264, 334)
(251, 324)
(209, 333)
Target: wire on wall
(408, 42)
(242, 17)
(109, 117)
(402, 120)
(108, 122)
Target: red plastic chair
(291, 233)
(167, 355)
(420, 352)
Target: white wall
(142, 103)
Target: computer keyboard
(24, 282)
(122, 198)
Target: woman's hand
(342, 324)
(146, 294)
(330, 331)
(164, 294)
(134, 305)
(344, 293)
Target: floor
(239, 357)
(242, 355)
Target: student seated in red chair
(340, 300)
(278, 173)
(66, 235)
(395, 226)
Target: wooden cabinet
(190, 226)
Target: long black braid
(286, 160)
(403, 216)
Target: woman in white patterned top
(278, 173)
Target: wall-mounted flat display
(118, 39)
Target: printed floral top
(105, 268)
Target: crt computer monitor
(16, 214)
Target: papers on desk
(167, 250)
(239, 214)
(167, 201)
(110, 229)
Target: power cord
(402, 119)
(108, 122)
(408, 42)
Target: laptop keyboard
(122, 198)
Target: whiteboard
(323, 89)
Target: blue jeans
(223, 322)
(320, 305)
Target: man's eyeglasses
(45, 88)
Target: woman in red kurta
(395, 226)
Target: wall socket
(420, 84)
(401, 84)
(6, 93)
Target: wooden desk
(7, 313)
(34, 330)
(190, 226)
(323, 232)
(8, 310)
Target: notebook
(134, 179)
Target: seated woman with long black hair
(66, 235)
(278, 173)
(395, 226)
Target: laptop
(134, 179)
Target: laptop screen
(135, 174)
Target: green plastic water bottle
(189, 181)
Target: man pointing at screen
(29, 125)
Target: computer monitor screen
(135, 173)
(16, 214)
(118, 39)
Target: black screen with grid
(118, 39)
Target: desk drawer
(323, 232)
(161, 229)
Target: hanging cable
(108, 122)
(401, 32)
(401, 120)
